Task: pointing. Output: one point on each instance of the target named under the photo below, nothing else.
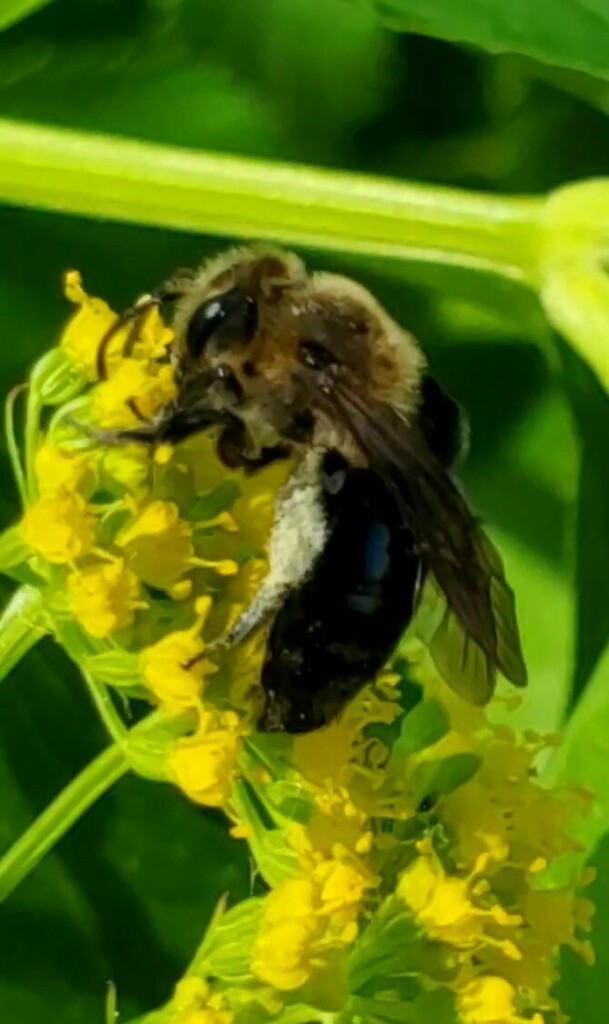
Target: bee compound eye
(232, 317)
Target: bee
(281, 363)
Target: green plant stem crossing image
(304, 641)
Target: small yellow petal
(204, 765)
(163, 454)
(60, 527)
(224, 567)
(174, 669)
(103, 598)
(157, 544)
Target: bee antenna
(132, 404)
(166, 292)
(102, 349)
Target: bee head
(259, 339)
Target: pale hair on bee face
(297, 319)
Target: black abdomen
(337, 630)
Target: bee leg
(297, 539)
(147, 433)
(232, 449)
(265, 603)
(173, 426)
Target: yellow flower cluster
(490, 1000)
(194, 1003)
(407, 842)
(115, 530)
(445, 906)
(306, 921)
(466, 867)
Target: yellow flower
(336, 821)
(443, 905)
(342, 886)
(174, 669)
(193, 1003)
(60, 528)
(129, 467)
(204, 765)
(57, 470)
(154, 336)
(306, 919)
(158, 544)
(288, 943)
(284, 956)
(490, 1000)
(296, 897)
(103, 598)
(327, 755)
(553, 917)
(149, 387)
(82, 335)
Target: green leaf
(213, 502)
(13, 549)
(116, 668)
(12, 11)
(438, 1006)
(423, 726)
(433, 779)
(569, 33)
(590, 407)
(581, 761)
(54, 380)
(274, 857)
(407, 988)
(579, 986)
(226, 950)
(292, 69)
(287, 800)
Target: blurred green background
(127, 894)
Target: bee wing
(466, 666)
(477, 632)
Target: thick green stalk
(77, 797)
(59, 816)
(22, 625)
(12, 11)
(140, 182)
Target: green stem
(21, 626)
(146, 747)
(140, 182)
(76, 798)
(11, 441)
(107, 712)
(58, 818)
(32, 428)
(14, 10)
